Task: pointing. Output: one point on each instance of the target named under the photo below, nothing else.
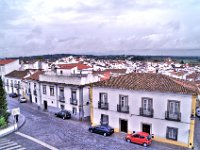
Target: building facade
(7, 66)
(152, 103)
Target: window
(61, 72)
(103, 97)
(44, 89)
(136, 135)
(172, 133)
(35, 99)
(34, 85)
(147, 104)
(173, 107)
(61, 91)
(73, 94)
(104, 119)
(74, 110)
(123, 100)
(51, 90)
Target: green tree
(3, 102)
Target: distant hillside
(181, 59)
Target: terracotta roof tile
(35, 76)
(149, 82)
(17, 74)
(70, 66)
(6, 61)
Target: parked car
(64, 114)
(22, 100)
(13, 95)
(105, 130)
(142, 138)
(198, 112)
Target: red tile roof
(35, 76)
(149, 82)
(17, 74)
(70, 66)
(6, 61)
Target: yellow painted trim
(91, 107)
(94, 124)
(192, 123)
(129, 132)
(164, 140)
(116, 129)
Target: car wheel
(145, 144)
(128, 140)
(63, 118)
(91, 130)
(105, 134)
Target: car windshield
(149, 137)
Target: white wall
(10, 89)
(159, 124)
(7, 68)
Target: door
(45, 105)
(146, 128)
(124, 125)
(30, 97)
(146, 104)
(104, 119)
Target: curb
(13, 128)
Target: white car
(198, 112)
(23, 100)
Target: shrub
(3, 122)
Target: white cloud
(104, 25)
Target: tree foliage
(3, 102)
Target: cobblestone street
(70, 134)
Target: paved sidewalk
(12, 125)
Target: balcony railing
(16, 85)
(73, 101)
(35, 92)
(147, 113)
(103, 105)
(173, 116)
(5, 83)
(62, 99)
(123, 109)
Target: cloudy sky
(144, 27)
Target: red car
(142, 138)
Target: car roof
(105, 126)
(143, 133)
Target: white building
(7, 66)
(66, 92)
(31, 87)
(35, 64)
(13, 81)
(152, 103)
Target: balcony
(16, 85)
(61, 99)
(173, 116)
(103, 105)
(146, 113)
(5, 84)
(73, 101)
(35, 92)
(123, 109)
